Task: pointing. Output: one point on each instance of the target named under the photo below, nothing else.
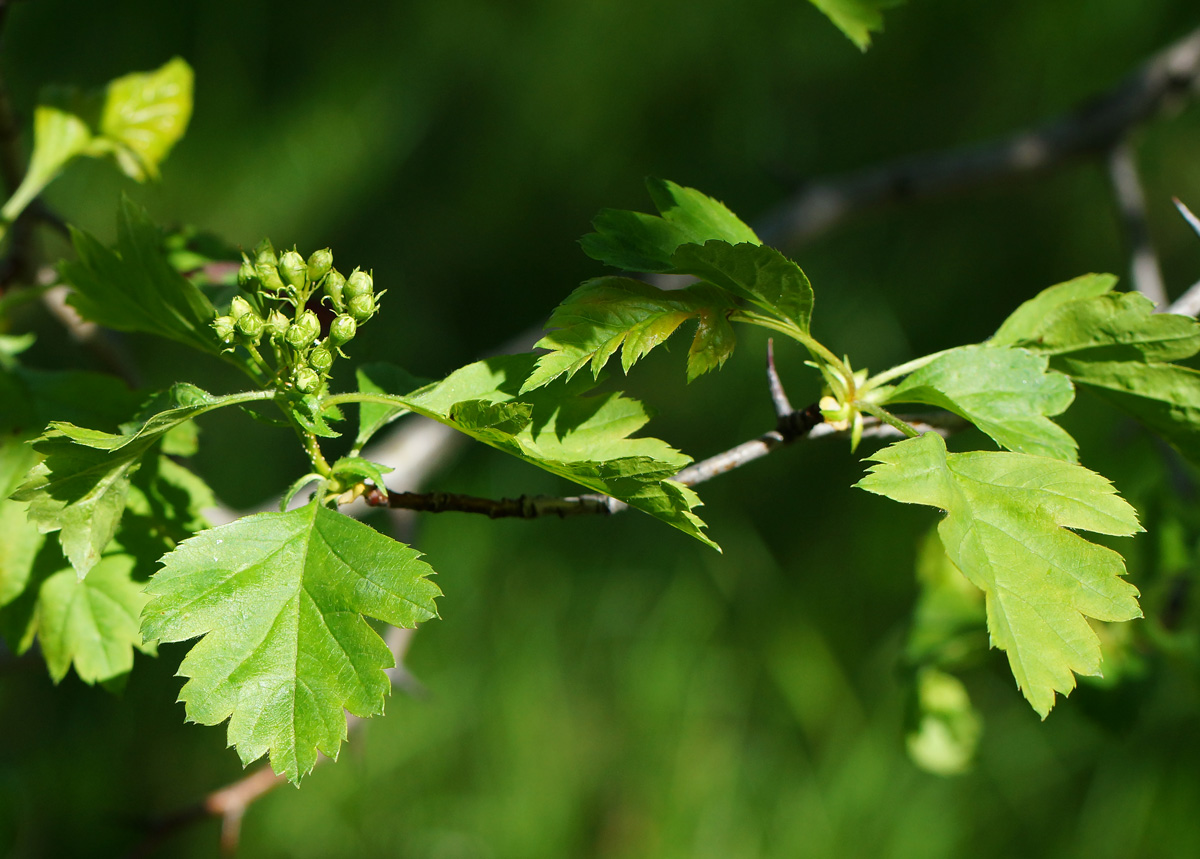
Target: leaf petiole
(888, 418)
(900, 370)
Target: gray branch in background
(1131, 204)
(1169, 78)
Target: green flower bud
(361, 307)
(247, 277)
(223, 325)
(334, 284)
(306, 380)
(250, 326)
(342, 330)
(277, 325)
(304, 331)
(319, 264)
(239, 307)
(293, 269)
(320, 359)
(359, 283)
(268, 276)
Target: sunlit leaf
(634, 241)
(1008, 527)
(144, 115)
(91, 624)
(761, 275)
(1115, 326)
(1116, 346)
(81, 486)
(856, 18)
(612, 313)
(1006, 392)
(280, 602)
(585, 439)
(1025, 321)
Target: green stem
(889, 419)
(901, 370)
(313, 449)
(817, 349)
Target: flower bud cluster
(276, 290)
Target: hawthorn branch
(790, 426)
(1169, 78)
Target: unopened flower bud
(250, 326)
(319, 264)
(361, 307)
(334, 285)
(268, 276)
(293, 269)
(277, 325)
(342, 330)
(239, 307)
(304, 331)
(247, 277)
(224, 326)
(306, 380)
(359, 283)
(320, 359)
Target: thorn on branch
(783, 406)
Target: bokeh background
(609, 688)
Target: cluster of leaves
(278, 603)
(1009, 513)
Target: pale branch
(779, 397)
(1131, 203)
(1092, 129)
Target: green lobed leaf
(1115, 345)
(20, 543)
(611, 313)
(761, 275)
(1116, 326)
(144, 115)
(134, 287)
(279, 601)
(633, 241)
(91, 624)
(81, 486)
(1025, 321)
(1007, 527)
(1164, 397)
(857, 19)
(586, 440)
(1006, 392)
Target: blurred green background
(609, 688)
